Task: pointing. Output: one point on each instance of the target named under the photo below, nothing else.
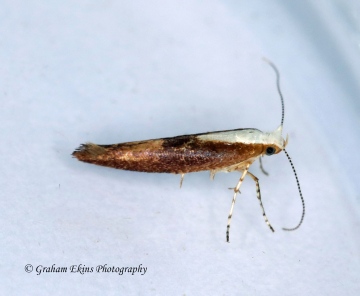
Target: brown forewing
(183, 154)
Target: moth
(220, 151)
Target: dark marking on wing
(177, 141)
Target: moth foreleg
(262, 168)
(258, 195)
(236, 190)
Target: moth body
(215, 151)
(222, 151)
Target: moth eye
(270, 150)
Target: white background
(118, 71)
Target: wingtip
(88, 150)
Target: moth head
(275, 142)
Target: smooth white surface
(116, 71)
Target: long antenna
(287, 155)
(302, 199)
(278, 88)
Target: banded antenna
(287, 155)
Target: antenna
(302, 199)
(287, 155)
(278, 88)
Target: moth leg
(233, 188)
(258, 195)
(262, 168)
(182, 179)
(236, 190)
(212, 174)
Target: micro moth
(221, 151)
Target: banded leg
(236, 190)
(258, 195)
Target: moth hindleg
(182, 179)
(212, 174)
